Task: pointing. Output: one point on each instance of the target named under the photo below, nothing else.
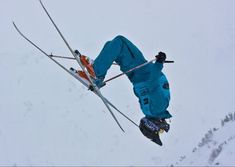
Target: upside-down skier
(150, 85)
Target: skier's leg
(121, 50)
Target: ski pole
(72, 58)
(63, 57)
(137, 67)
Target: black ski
(71, 73)
(80, 64)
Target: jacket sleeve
(158, 67)
(156, 71)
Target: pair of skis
(76, 56)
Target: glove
(161, 57)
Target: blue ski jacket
(150, 85)
(153, 92)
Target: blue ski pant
(153, 98)
(125, 54)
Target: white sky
(198, 35)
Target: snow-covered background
(216, 148)
(48, 118)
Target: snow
(215, 149)
(48, 118)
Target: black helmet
(152, 127)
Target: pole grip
(169, 61)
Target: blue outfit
(149, 83)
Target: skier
(149, 83)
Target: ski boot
(153, 127)
(88, 65)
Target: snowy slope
(47, 118)
(215, 148)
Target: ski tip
(16, 27)
(40, 1)
(13, 23)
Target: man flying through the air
(150, 85)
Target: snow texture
(47, 118)
(216, 147)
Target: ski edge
(78, 60)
